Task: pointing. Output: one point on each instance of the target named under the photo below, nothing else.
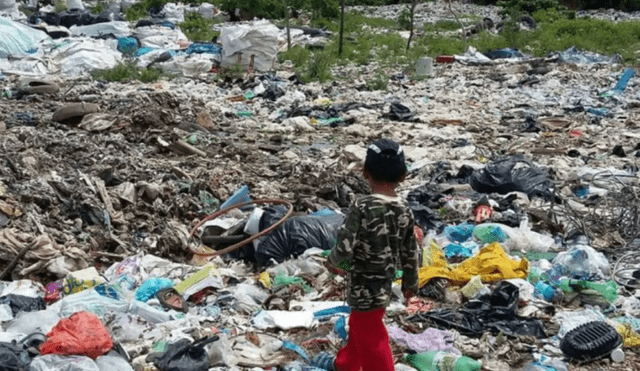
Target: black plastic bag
(296, 235)
(14, 357)
(421, 202)
(19, 303)
(502, 176)
(401, 112)
(493, 313)
(184, 356)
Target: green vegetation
(60, 6)
(379, 82)
(126, 71)
(98, 8)
(369, 39)
(198, 28)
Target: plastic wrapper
(571, 320)
(506, 175)
(494, 313)
(54, 362)
(429, 339)
(422, 202)
(295, 236)
(184, 356)
(81, 334)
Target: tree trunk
(341, 28)
(414, 3)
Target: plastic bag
(54, 362)
(503, 176)
(297, 235)
(221, 352)
(258, 39)
(81, 334)
(151, 287)
(248, 298)
(581, 262)
(489, 233)
(19, 303)
(13, 357)
(30, 322)
(494, 313)
(422, 202)
(184, 356)
(458, 233)
(113, 363)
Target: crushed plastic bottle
(434, 360)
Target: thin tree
(412, 10)
(286, 23)
(341, 27)
(464, 37)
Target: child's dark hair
(385, 161)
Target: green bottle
(442, 361)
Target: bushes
(126, 71)
(197, 28)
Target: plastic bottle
(443, 361)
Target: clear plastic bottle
(443, 361)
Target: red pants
(368, 347)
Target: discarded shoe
(590, 341)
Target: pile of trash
(184, 224)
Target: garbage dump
(186, 223)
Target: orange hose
(246, 241)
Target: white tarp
(173, 12)
(119, 29)
(82, 55)
(259, 39)
(160, 37)
(189, 65)
(75, 4)
(18, 38)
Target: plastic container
(442, 361)
(445, 59)
(617, 355)
(424, 67)
(241, 196)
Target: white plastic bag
(53, 362)
(173, 12)
(220, 352)
(29, 322)
(582, 262)
(118, 29)
(113, 363)
(75, 4)
(248, 298)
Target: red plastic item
(81, 334)
(445, 59)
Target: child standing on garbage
(377, 232)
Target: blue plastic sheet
(142, 51)
(459, 233)
(296, 348)
(151, 287)
(204, 48)
(341, 328)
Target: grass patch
(98, 8)
(557, 31)
(198, 28)
(442, 25)
(60, 6)
(379, 82)
(126, 71)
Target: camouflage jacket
(376, 239)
